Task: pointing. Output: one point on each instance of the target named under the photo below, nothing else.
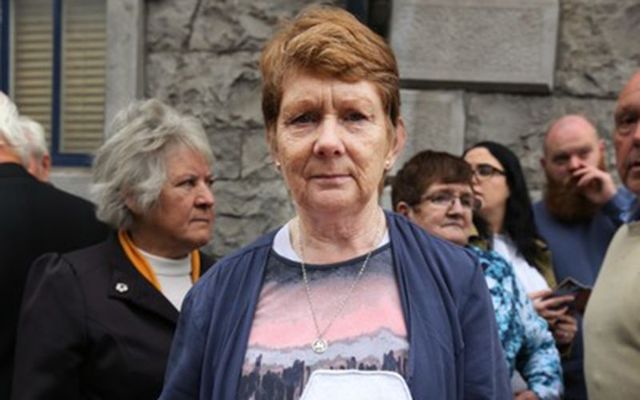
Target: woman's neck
(495, 219)
(329, 239)
(150, 243)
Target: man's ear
(45, 163)
(398, 144)
(602, 146)
(404, 209)
(543, 162)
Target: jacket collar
(129, 286)
(13, 170)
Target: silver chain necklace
(320, 344)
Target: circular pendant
(319, 345)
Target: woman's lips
(205, 220)
(330, 178)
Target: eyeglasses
(484, 171)
(447, 199)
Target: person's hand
(595, 184)
(565, 329)
(525, 395)
(550, 308)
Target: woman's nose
(205, 196)
(455, 207)
(329, 141)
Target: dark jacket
(578, 249)
(92, 327)
(35, 218)
(454, 350)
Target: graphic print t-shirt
(369, 334)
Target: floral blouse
(526, 340)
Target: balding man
(35, 218)
(578, 216)
(612, 321)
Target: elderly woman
(434, 190)
(342, 286)
(98, 322)
(506, 206)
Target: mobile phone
(570, 286)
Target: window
(53, 65)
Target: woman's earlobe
(403, 209)
(398, 143)
(131, 204)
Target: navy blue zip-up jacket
(454, 348)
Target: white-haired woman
(98, 322)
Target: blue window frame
(59, 156)
(4, 46)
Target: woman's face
(332, 142)
(182, 219)
(490, 183)
(445, 211)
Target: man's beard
(566, 203)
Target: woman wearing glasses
(434, 190)
(500, 186)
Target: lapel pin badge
(122, 287)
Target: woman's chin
(332, 202)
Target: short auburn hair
(425, 169)
(330, 42)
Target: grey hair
(130, 165)
(10, 132)
(34, 131)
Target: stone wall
(202, 55)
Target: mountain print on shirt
(370, 333)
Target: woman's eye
(441, 198)
(354, 116)
(188, 183)
(304, 118)
(467, 201)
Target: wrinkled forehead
(572, 141)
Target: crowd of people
(459, 292)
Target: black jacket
(35, 218)
(92, 327)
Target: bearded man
(580, 212)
